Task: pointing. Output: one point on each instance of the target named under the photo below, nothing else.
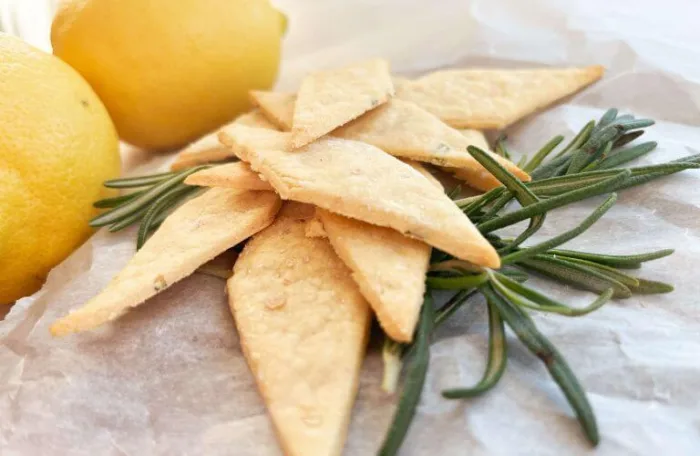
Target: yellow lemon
(170, 71)
(57, 145)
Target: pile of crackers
(332, 192)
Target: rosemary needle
(496, 363)
(413, 385)
(616, 261)
(138, 181)
(575, 274)
(523, 194)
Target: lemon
(57, 145)
(170, 71)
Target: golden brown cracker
(331, 98)
(195, 233)
(405, 130)
(388, 267)
(494, 98)
(303, 326)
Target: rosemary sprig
(586, 167)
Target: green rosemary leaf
(551, 168)
(627, 155)
(159, 206)
(485, 199)
(599, 144)
(416, 371)
(651, 287)
(543, 153)
(456, 283)
(524, 196)
(562, 238)
(512, 183)
(451, 306)
(644, 178)
(127, 220)
(108, 203)
(609, 271)
(496, 363)
(142, 201)
(392, 353)
(627, 138)
(578, 140)
(498, 205)
(688, 159)
(624, 117)
(607, 117)
(540, 346)
(554, 202)
(615, 261)
(575, 274)
(501, 147)
(634, 124)
(514, 274)
(598, 156)
(139, 181)
(522, 162)
(601, 137)
(537, 301)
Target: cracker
(388, 267)
(303, 326)
(331, 98)
(236, 175)
(360, 181)
(195, 233)
(278, 107)
(208, 149)
(405, 130)
(427, 174)
(494, 99)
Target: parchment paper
(169, 378)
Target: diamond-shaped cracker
(331, 98)
(360, 181)
(303, 326)
(406, 130)
(195, 233)
(494, 99)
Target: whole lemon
(170, 71)
(57, 145)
